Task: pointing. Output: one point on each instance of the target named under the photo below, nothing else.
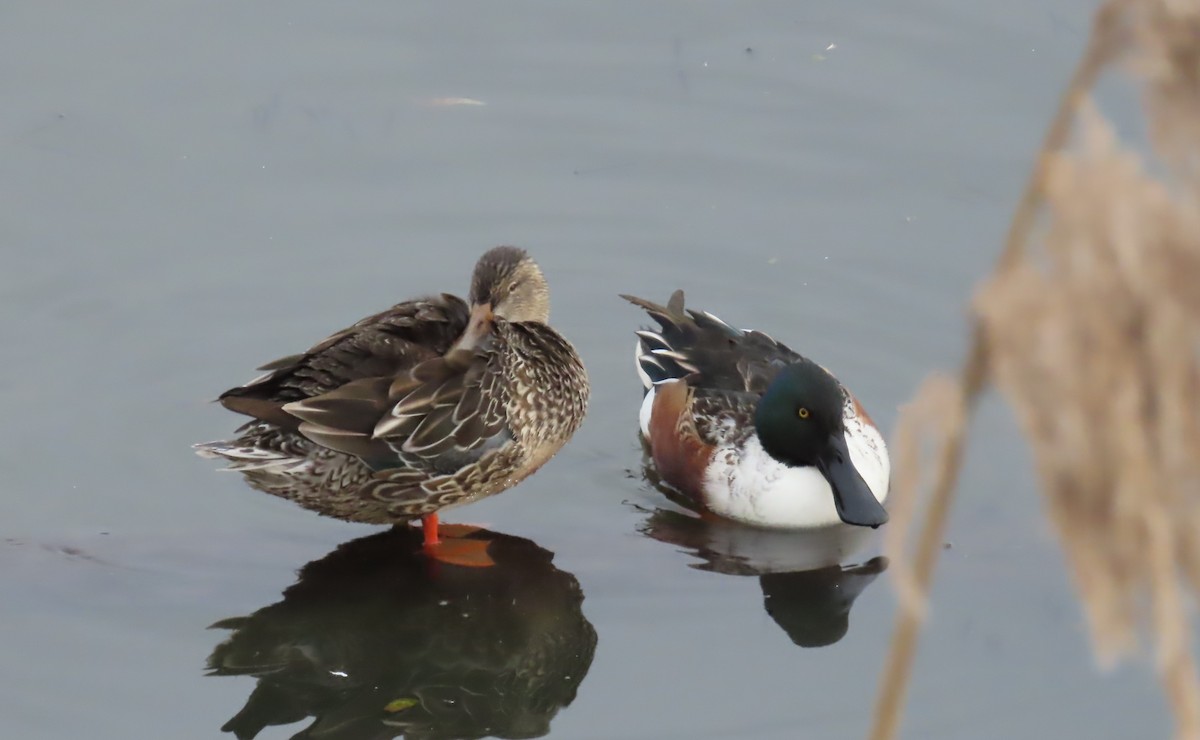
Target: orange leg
(430, 525)
(457, 548)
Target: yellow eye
(802, 413)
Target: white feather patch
(869, 454)
(639, 350)
(644, 413)
(242, 458)
(756, 489)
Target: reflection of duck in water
(805, 590)
(813, 606)
(426, 405)
(375, 641)
(751, 431)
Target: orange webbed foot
(467, 553)
(451, 544)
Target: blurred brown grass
(1089, 326)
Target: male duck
(749, 430)
(426, 405)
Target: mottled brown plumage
(428, 404)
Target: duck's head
(799, 422)
(511, 285)
(507, 284)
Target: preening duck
(430, 404)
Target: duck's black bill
(851, 495)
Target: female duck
(749, 430)
(427, 405)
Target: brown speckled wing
(381, 345)
(435, 417)
(448, 411)
(507, 412)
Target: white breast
(756, 489)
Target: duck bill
(851, 495)
(478, 327)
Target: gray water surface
(193, 188)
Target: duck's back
(382, 345)
(271, 452)
(706, 351)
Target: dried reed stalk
(1094, 338)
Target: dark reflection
(375, 641)
(813, 607)
(805, 588)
